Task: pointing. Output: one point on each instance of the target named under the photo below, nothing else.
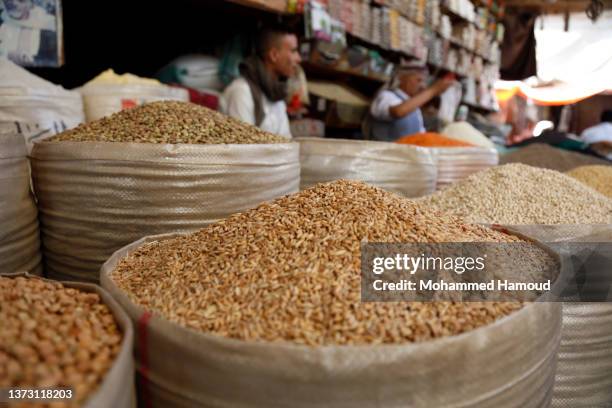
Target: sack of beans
(403, 169)
(34, 108)
(551, 207)
(160, 167)
(19, 236)
(264, 309)
(72, 338)
(109, 93)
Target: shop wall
(141, 37)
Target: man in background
(258, 95)
(396, 110)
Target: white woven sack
(403, 169)
(584, 372)
(102, 100)
(19, 235)
(33, 107)
(95, 197)
(510, 363)
(457, 163)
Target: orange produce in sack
(431, 139)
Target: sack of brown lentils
(19, 236)
(403, 169)
(160, 167)
(65, 335)
(263, 309)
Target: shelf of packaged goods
(382, 50)
(456, 17)
(458, 44)
(327, 70)
(437, 67)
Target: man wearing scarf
(258, 95)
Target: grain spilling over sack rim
(289, 270)
(169, 122)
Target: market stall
(158, 251)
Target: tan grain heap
(549, 157)
(598, 177)
(290, 270)
(52, 337)
(521, 194)
(169, 122)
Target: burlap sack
(584, 371)
(19, 237)
(457, 163)
(510, 363)
(117, 388)
(96, 197)
(406, 170)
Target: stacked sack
(456, 158)
(19, 237)
(33, 107)
(109, 93)
(406, 170)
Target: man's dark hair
(606, 116)
(269, 38)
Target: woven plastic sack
(457, 163)
(95, 197)
(406, 170)
(584, 372)
(510, 363)
(34, 108)
(117, 387)
(102, 100)
(19, 236)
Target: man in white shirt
(599, 137)
(258, 95)
(395, 111)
